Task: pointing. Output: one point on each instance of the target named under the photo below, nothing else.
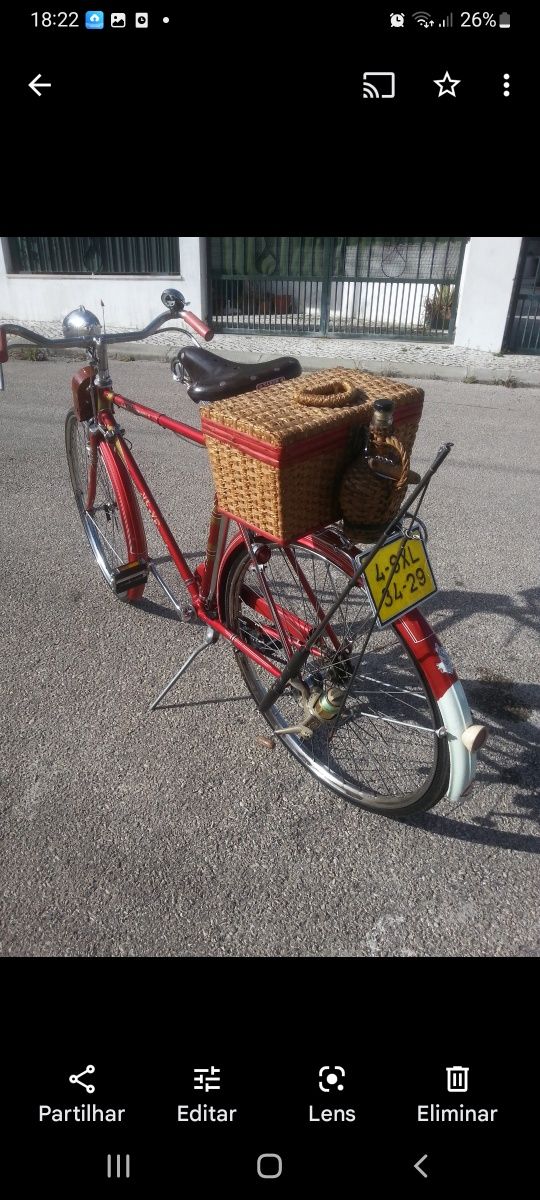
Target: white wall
(131, 301)
(489, 270)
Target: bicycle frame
(202, 584)
(297, 638)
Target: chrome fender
(457, 718)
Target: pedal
(129, 575)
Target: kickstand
(211, 637)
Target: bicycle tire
(112, 525)
(390, 681)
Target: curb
(378, 366)
(392, 368)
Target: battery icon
(504, 20)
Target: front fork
(96, 434)
(88, 403)
(92, 453)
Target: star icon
(450, 88)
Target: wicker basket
(367, 501)
(278, 454)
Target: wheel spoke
(383, 747)
(102, 537)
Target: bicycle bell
(81, 323)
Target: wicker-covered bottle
(374, 485)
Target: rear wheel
(383, 751)
(106, 502)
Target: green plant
(30, 353)
(438, 307)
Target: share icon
(78, 1079)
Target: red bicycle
(374, 711)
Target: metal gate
(523, 328)
(340, 287)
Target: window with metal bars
(94, 255)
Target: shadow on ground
(512, 754)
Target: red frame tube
(153, 508)
(311, 596)
(192, 582)
(141, 410)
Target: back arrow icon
(418, 1168)
(40, 85)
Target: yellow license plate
(412, 582)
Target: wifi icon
(423, 18)
(370, 92)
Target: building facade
(478, 292)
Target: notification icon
(94, 19)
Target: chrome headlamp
(81, 323)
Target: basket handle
(337, 394)
(397, 473)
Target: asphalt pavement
(177, 834)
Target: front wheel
(383, 753)
(106, 502)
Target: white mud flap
(457, 718)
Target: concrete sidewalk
(426, 360)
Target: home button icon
(269, 1166)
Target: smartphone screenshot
(270, 669)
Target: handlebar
(86, 342)
(131, 335)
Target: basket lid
(272, 415)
